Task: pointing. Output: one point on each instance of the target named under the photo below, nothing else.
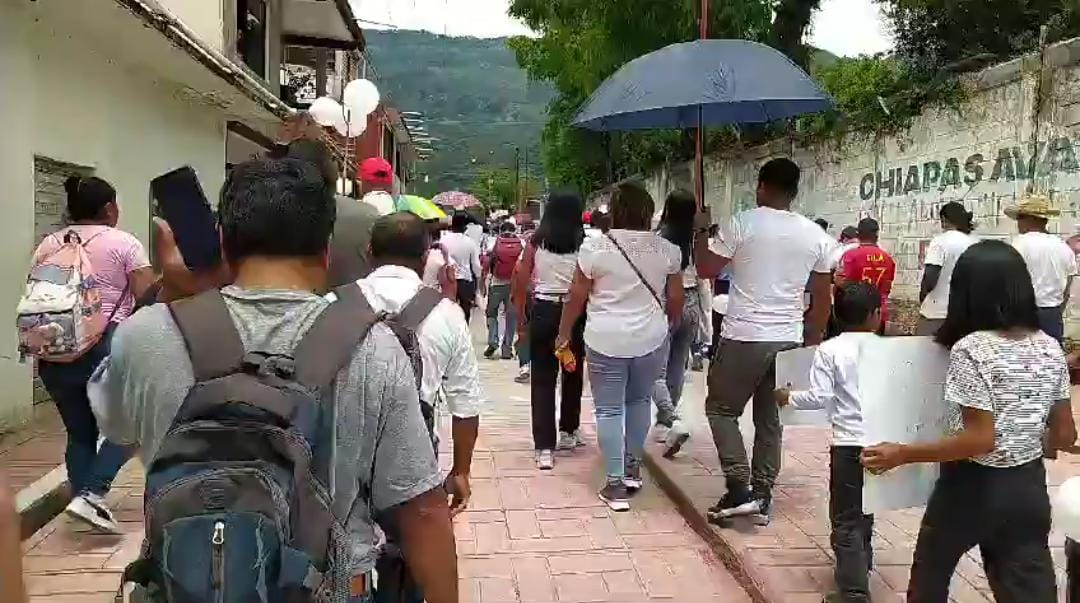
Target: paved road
(527, 538)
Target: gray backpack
(236, 511)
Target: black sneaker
(839, 597)
(633, 481)
(616, 496)
(761, 515)
(737, 501)
(489, 353)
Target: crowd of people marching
(285, 400)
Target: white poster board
(793, 373)
(901, 383)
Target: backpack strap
(418, 308)
(332, 339)
(213, 344)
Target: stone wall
(1003, 141)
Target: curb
(746, 572)
(41, 501)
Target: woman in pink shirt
(124, 273)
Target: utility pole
(517, 177)
(525, 183)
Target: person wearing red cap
(377, 184)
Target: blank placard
(901, 383)
(793, 372)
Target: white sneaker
(91, 508)
(579, 440)
(660, 432)
(545, 460)
(567, 441)
(523, 375)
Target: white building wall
(204, 17)
(980, 156)
(77, 104)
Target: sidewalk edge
(41, 501)
(748, 575)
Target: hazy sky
(844, 27)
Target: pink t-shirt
(114, 254)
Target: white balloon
(361, 96)
(352, 127)
(1067, 508)
(325, 110)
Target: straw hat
(1035, 206)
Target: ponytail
(954, 213)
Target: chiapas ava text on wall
(1009, 164)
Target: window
(251, 28)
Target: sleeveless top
(553, 272)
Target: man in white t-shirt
(772, 253)
(938, 264)
(1049, 259)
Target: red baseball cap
(376, 170)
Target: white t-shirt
(943, 251)
(772, 254)
(839, 251)
(464, 255)
(382, 201)
(1051, 262)
(553, 272)
(623, 318)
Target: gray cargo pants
(741, 370)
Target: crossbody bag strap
(640, 276)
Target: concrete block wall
(1013, 134)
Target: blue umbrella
(702, 83)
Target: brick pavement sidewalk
(791, 560)
(526, 538)
(34, 449)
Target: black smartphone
(184, 206)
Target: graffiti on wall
(1009, 164)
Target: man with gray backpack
(278, 428)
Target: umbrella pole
(699, 151)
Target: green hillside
(475, 99)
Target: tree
(933, 34)
(495, 188)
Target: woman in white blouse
(631, 279)
(677, 226)
(548, 264)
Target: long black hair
(561, 230)
(954, 213)
(990, 291)
(631, 207)
(677, 222)
(88, 197)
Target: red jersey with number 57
(870, 264)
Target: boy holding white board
(834, 387)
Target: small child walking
(834, 387)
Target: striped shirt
(1018, 380)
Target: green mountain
(474, 97)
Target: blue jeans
(90, 469)
(499, 295)
(621, 389)
(667, 391)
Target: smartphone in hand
(185, 207)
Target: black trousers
(1006, 513)
(466, 297)
(851, 528)
(543, 329)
